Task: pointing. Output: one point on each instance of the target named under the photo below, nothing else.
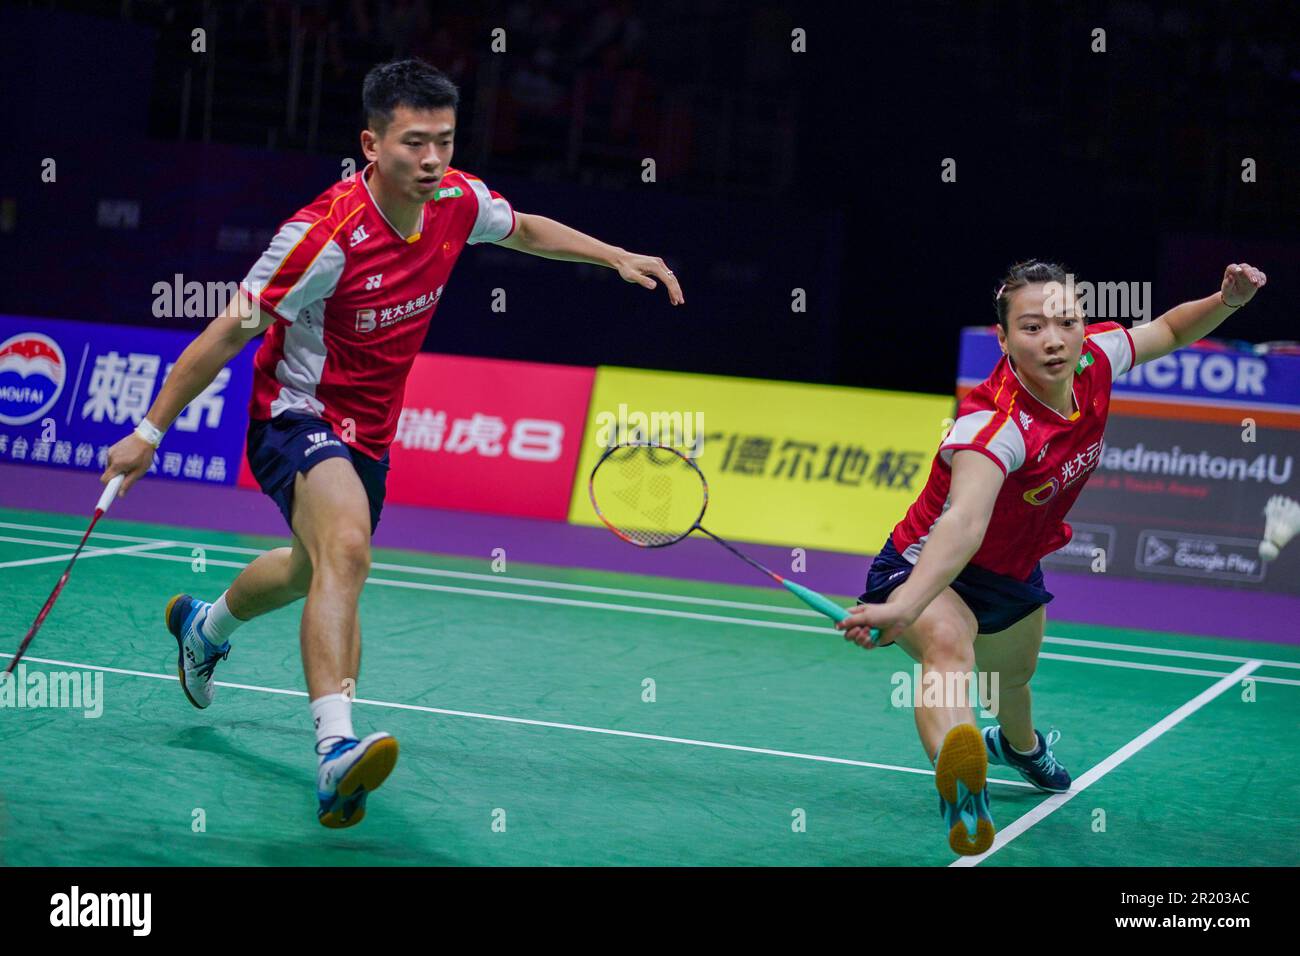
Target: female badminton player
(958, 582)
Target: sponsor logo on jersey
(366, 320)
(1043, 493)
(32, 373)
(320, 440)
(358, 234)
(1084, 361)
(1025, 421)
(373, 282)
(1042, 452)
(449, 193)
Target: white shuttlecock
(1282, 521)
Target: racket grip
(110, 492)
(817, 602)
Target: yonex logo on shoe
(76, 909)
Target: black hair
(410, 83)
(1021, 274)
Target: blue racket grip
(824, 604)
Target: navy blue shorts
(996, 600)
(281, 447)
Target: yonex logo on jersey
(372, 282)
(358, 234)
(1042, 452)
(1025, 421)
(365, 320)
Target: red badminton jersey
(1046, 457)
(352, 299)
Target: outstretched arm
(1191, 321)
(957, 535)
(549, 239)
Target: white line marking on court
(1169, 652)
(87, 555)
(1058, 800)
(1101, 645)
(527, 722)
(466, 575)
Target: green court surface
(519, 700)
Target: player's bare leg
(274, 579)
(203, 630)
(331, 517)
(942, 640)
(1013, 655)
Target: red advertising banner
(487, 435)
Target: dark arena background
(839, 191)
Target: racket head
(648, 494)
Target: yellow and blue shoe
(349, 770)
(1040, 768)
(198, 656)
(961, 776)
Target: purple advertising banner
(69, 390)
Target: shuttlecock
(1282, 521)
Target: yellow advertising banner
(812, 466)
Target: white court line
(1058, 800)
(87, 555)
(464, 575)
(531, 582)
(1169, 652)
(690, 615)
(688, 741)
(1135, 665)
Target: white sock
(220, 623)
(332, 715)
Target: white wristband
(148, 431)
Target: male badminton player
(346, 292)
(958, 582)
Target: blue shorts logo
(32, 372)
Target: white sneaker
(350, 769)
(198, 656)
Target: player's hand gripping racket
(105, 499)
(653, 496)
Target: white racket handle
(110, 492)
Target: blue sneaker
(961, 775)
(348, 771)
(198, 656)
(1040, 768)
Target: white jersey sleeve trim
(315, 285)
(1006, 445)
(495, 220)
(1118, 346)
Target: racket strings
(648, 495)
